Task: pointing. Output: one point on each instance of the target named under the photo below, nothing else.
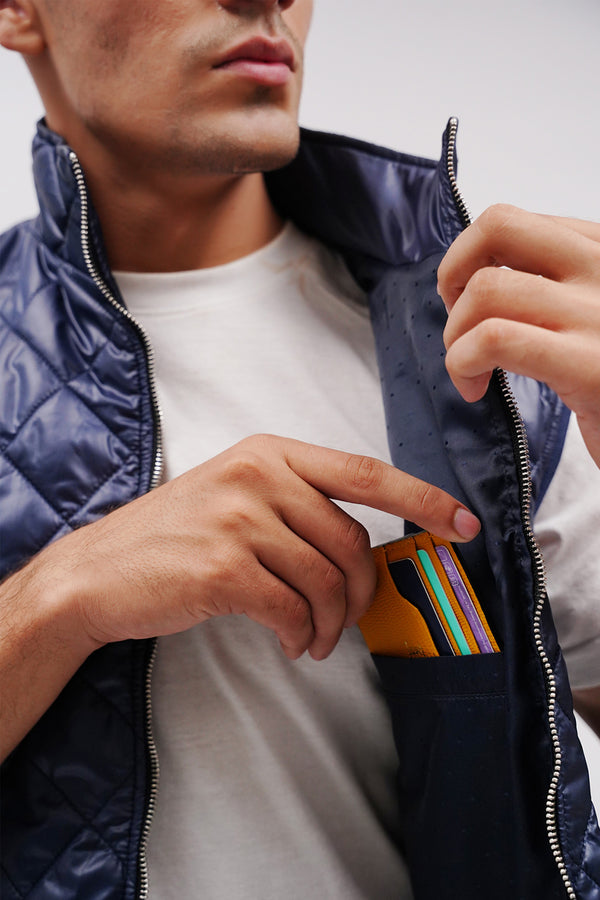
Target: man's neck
(177, 227)
(156, 213)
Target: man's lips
(267, 62)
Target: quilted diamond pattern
(24, 513)
(71, 420)
(83, 457)
(25, 386)
(76, 438)
(86, 788)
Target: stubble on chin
(273, 148)
(258, 139)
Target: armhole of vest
(552, 451)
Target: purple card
(464, 598)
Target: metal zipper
(110, 297)
(461, 206)
(154, 774)
(521, 446)
(154, 481)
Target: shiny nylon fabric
(78, 783)
(76, 439)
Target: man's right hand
(252, 531)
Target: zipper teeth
(110, 297)
(154, 775)
(539, 571)
(154, 480)
(461, 206)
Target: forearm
(41, 643)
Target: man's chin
(257, 140)
(267, 162)
(232, 152)
(262, 154)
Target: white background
(523, 76)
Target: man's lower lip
(268, 73)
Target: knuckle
(334, 582)
(484, 283)
(497, 218)
(493, 335)
(296, 616)
(238, 519)
(428, 499)
(260, 444)
(245, 467)
(356, 538)
(364, 473)
(227, 567)
(231, 500)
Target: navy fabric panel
(60, 210)
(74, 404)
(467, 449)
(546, 419)
(379, 208)
(452, 729)
(93, 784)
(76, 439)
(577, 823)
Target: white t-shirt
(567, 527)
(277, 777)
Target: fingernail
(466, 524)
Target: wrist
(42, 641)
(54, 589)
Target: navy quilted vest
(492, 783)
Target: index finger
(508, 236)
(372, 482)
(588, 229)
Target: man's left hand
(539, 316)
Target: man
(277, 775)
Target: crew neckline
(278, 250)
(144, 292)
